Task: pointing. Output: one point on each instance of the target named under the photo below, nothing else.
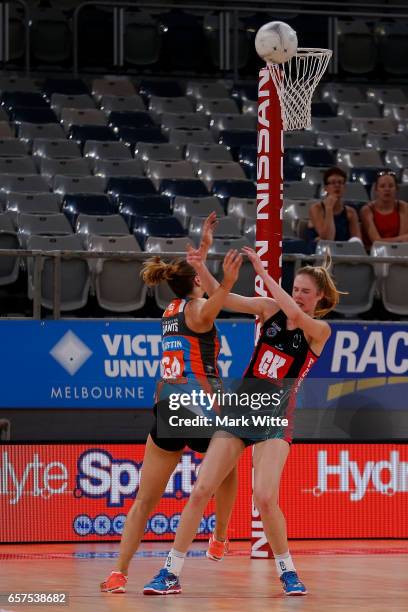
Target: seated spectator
(331, 218)
(386, 217)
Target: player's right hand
(231, 265)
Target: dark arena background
(123, 125)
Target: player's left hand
(207, 233)
(254, 259)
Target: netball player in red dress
(291, 340)
(190, 352)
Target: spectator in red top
(386, 217)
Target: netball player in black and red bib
(190, 352)
(291, 340)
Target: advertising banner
(82, 493)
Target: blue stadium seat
(247, 157)
(131, 207)
(68, 87)
(291, 172)
(23, 99)
(310, 157)
(235, 139)
(135, 119)
(82, 133)
(246, 92)
(33, 115)
(159, 226)
(191, 188)
(366, 176)
(131, 135)
(119, 185)
(89, 204)
(233, 189)
(163, 89)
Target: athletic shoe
(216, 549)
(164, 583)
(114, 583)
(292, 585)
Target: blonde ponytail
(325, 284)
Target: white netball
(276, 42)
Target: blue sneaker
(164, 583)
(292, 585)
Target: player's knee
(265, 501)
(200, 494)
(143, 504)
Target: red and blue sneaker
(164, 583)
(292, 585)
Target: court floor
(340, 575)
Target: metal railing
(5, 31)
(58, 256)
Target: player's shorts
(254, 425)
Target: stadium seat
(68, 167)
(309, 157)
(226, 189)
(212, 172)
(9, 265)
(299, 139)
(119, 185)
(183, 187)
(159, 105)
(296, 213)
(82, 117)
(74, 279)
(249, 231)
(364, 158)
(132, 207)
(382, 142)
(399, 112)
(297, 190)
(106, 150)
(311, 175)
(392, 280)
(183, 121)
(352, 140)
(212, 90)
(184, 208)
(290, 172)
(29, 224)
(232, 122)
(244, 92)
(78, 184)
(157, 226)
(118, 167)
(234, 139)
(61, 101)
(227, 227)
(142, 39)
(109, 103)
(34, 203)
(17, 165)
(357, 280)
(355, 192)
(393, 47)
(159, 170)
(184, 137)
(165, 151)
(6, 131)
(82, 133)
(160, 88)
(358, 50)
(163, 294)
(17, 83)
(106, 225)
(118, 284)
(323, 109)
(112, 87)
(23, 99)
(132, 136)
(386, 95)
(90, 204)
(209, 106)
(68, 87)
(56, 148)
(241, 209)
(51, 35)
(32, 115)
(363, 110)
(133, 119)
(330, 125)
(365, 126)
(247, 157)
(25, 183)
(212, 153)
(31, 131)
(338, 92)
(396, 160)
(365, 176)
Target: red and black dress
(189, 363)
(282, 358)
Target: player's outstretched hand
(195, 258)
(231, 265)
(207, 233)
(254, 259)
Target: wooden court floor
(340, 575)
